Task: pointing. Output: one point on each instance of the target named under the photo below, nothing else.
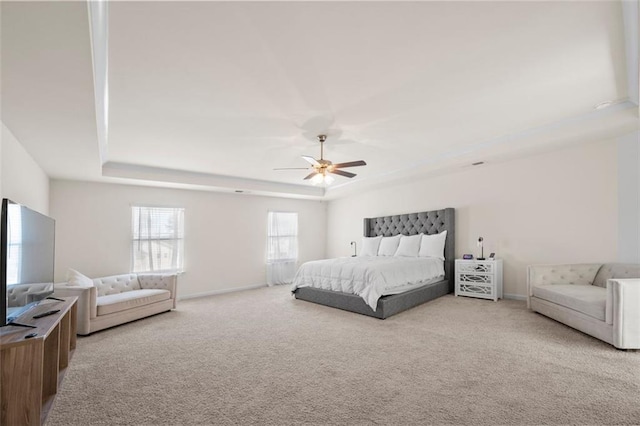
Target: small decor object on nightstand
(479, 278)
(492, 256)
(481, 245)
(467, 256)
(355, 248)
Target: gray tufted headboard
(432, 222)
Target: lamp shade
(321, 178)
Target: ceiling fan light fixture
(322, 178)
(322, 168)
(317, 179)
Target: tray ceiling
(214, 95)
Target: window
(158, 239)
(282, 247)
(282, 237)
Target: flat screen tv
(27, 242)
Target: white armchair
(600, 300)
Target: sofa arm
(160, 281)
(577, 273)
(87, 308)
(623, 312)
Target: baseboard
(224, 291)
(514, 296)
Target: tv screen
(27, 261)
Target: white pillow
(433, 245)
(389, 245)
(409, 245)
(370, 246)
(75, 278)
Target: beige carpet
(262, 357)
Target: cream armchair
(110, 301)
(602, 300)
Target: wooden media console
(31, 369)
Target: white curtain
(282, 247)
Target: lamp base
(480, 258)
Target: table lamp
(481, 245)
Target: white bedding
(370, 277)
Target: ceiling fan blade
(310, 175)
(342, 173)
(292, 168)
(311, 160)
(350, 164)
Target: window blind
(157, 243)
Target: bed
(429, 222)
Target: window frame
(179, 246)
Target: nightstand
(479, 278)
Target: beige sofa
(602, 300)
(110, 301)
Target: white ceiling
(215, 95)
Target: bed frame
(432, 222)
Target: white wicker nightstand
(479, 278)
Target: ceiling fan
(322, 167)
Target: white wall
(21, 178)
(629, 198)
(550, 208)
(225, 234)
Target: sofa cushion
(616, 270)
(588, 299)
(129, 299)
(116, 284)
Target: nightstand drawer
(476, 290)
(475, 278)
(476, 267)
(479, 278)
